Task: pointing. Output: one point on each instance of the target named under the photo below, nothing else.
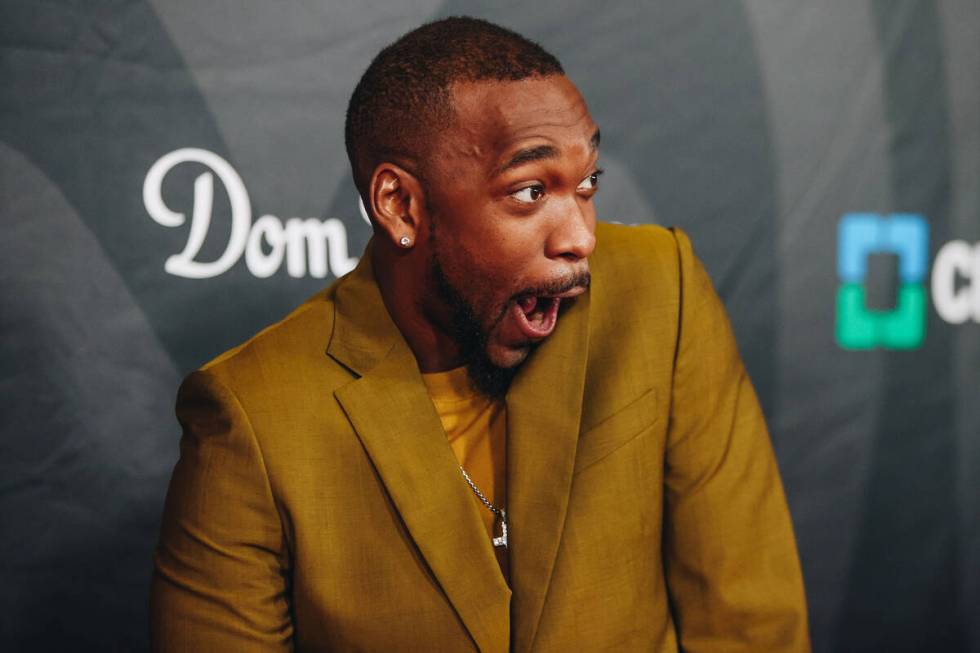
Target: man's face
(510, 189)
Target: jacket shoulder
(280, 350)
(646, 250)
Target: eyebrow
(540, 152)
(527, 155)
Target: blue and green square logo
(859, 235)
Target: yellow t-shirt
(476, 427)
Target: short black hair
(403, 96)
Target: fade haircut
(403, 98)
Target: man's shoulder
(287, 348)
(624, 251)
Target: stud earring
(405, 241)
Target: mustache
(556, 286)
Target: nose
(573, 237)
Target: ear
(397, 204)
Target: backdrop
(173, 177)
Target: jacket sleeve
(730, 555)
(221, 577)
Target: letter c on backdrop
(957, 306)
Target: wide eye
(591, 182)
(529, 195)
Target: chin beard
(464, 328)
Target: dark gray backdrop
(754, 125)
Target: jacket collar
(363, 332)
(393, 416)
(544, 408)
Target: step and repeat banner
(173, 178)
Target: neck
(403, 280)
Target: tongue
(528, 304)
(536, 318)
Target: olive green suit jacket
(317, 505)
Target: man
(507, 429)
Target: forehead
(492, 117)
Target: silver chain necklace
(500, 513)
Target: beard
(471, 338)
(470, 335)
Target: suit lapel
(544, 406)
(393, 416)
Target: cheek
(474, 276)
(502, 253)
(490, 258)
(487, 285)
(486, 282)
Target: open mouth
(536, 316)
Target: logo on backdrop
(307, 245)
(861, 234)
(955, 282)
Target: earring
(405, 241)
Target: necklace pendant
(502, 539)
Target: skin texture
(500, 208)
